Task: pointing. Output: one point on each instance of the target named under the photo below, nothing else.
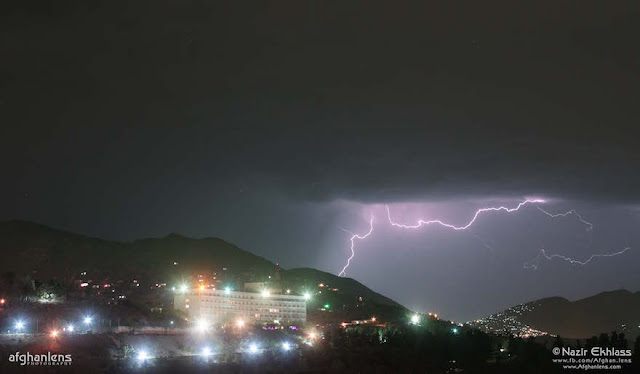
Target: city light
(184, 288)
(327, 306)
(142, 356)
(312, 335)
(202, 325)
(373, 319)
(455, 331)
(286, 346)
(2, 301)
(19, 325)
(171, 322)
(307, 296)
(201, 288)
(415, 319)
(206, 351)
(227, 290)
(54, 333)
(253, 348)
(70, 328)
(87, 320)
(266, 293)
(240, 323)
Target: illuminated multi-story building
(220, 306)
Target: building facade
(220, 306)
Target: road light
(227, 290)
(455, 330)
(307, 296)
(206, 351)
(415, 319)
(70, 328)
(240, 323)
(19, 325)
(87, 320)
(286, 346)
(54, 333)
(184, 288)
(202, 325)
(253, 348)
(143, 356)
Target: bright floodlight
(455, 331)
(202, 325)
(143, 355)
(312, 335)
(227, 290)
(54, 333)
(415, 319)
(19, 325)
(307, 296)
(70, 328)
(286, 346)
(253, 348)
(206, 351)
(240, 323)
(87, 320)
(265, 293)
(183, 288)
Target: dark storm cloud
(362, 101)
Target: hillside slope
(45, 253)
(605, 312)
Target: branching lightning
(588, 224)
(475, 216)
(478, 213)
(353, 238)
(533, 264)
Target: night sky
(276, 125)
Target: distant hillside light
(326, 306)
(415, 319)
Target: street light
(19, 325)
(143, 356)
(286, 346)
(206, 351)
(253, 348)
(307, 296)
(415, 319)
(87, 320)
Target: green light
(326, 306)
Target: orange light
(201, 288)
(2, 301)
(373, 319)
(344, 324)
(54, 333)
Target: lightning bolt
(588, 224)
(353, 238)
(426, 223)
(533, 264)
(457, 228)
